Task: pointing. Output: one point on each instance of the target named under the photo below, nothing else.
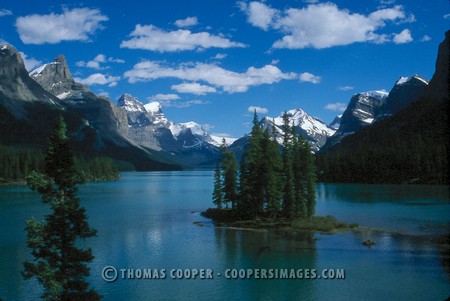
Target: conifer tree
(217, 192)
(58, 264)
(288, 177)
(229, 165)
(271, 171)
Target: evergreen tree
(217, 192)
(288, 177)
(253, 177)
(271, 168)
(58, 264)
(229, 165)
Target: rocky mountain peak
(56, 78)
(15, 84)
(130, 103)
(11, 61)
(439, 87)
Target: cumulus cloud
(188, 22)
(173, 100)
(193, 88)
(163, 97)
(97, 61)
(78, 24)
(5, 12)
(345, 88)
(99, 79)
(258, 110)
(307, 77)
(403, 37)
(30, 63)
(425, 38)
(259, 14)
(228, 81)
(323, 25)
(337, 106)
(149, 37)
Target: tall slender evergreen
(58, 264)
(288, 177)
(217, 192)
(230, 169)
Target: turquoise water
(147, 221)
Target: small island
(274, 187)
(231, 218)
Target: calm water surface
(147, 221)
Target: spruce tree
(217, 192)
(271, 168)
(230, 187)
(288, 177)
(58, 264)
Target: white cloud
(403, 37)
(104, 94)
(182, 104)
(5, 12)
(259, 14)
(228, 81)
(447, 16)
(337, 106)
(323, 25)
(193, 88)
(151, 38)
(99, 59)
(99, 79)
(425, 38)
(309, 78)
(258, 110)
(78, 24)
(162, 97)
(189, 21)
(30, 63)
(345, 88)
(220, 56)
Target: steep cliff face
(404, 92)
(17, 85)
(439, 87)
(361, 111)
(99, 112)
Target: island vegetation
(274, 186)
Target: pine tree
(58, 264)
(271, 168)
(217, 192)
(288, 177)
(230, 187)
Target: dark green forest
(271, 181)
(409, 147)
(17, 163)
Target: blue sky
(214, 62)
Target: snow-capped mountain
(405, 91)
(314, 130)
(368, 107)
(336, 123)
(362, 109)
(148, 126)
